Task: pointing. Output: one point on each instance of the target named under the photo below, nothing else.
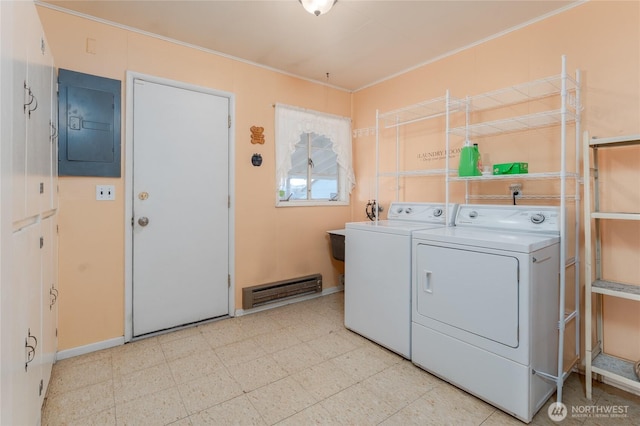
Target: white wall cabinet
(28, 214)
(597, 361)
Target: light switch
(91, 46)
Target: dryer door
(472, 291)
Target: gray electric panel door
(89, 123)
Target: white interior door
(180, 195)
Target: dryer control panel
(421, 212)
(544, 219)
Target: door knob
(143, 221)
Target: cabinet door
(44, 145)
(38, 116)
(53, 155)
(19, 254)
(27, 334)
(49, 298)
(19, 124)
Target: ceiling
(358, 43)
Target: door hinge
(41, 242)
(229, 201)
(131, 221)
(229, 121)
(56, 331)
(229, 280)
(41, 387)
(42, 187)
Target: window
(313, 158)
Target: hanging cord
(515, 194)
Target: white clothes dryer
(485, 304)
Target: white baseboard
(325, 292)
(81, 350)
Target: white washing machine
(377, 294)
(485, 304)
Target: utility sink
(337, 243)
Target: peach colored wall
(602, 39)
(270, 243)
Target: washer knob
(399, 210)
(408, 210)
(537, 218)
(437, 212)
(473, 214)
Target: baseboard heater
(269, 293)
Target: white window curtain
(291, 122)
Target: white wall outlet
(105, 192)
(515, 188)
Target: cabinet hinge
(229, 201)
(229, 280)
(56, 331)
(57, 229)
(41, 242)
(229, 121)
(42, 187)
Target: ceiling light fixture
(317, 7)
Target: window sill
(314, 203)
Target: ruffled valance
(291, 122)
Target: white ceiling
(358, 43)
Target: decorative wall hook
(256, 160)
(256, 134)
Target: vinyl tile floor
(291, 365)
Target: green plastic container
(468, 165)
(510, 168)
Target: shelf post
(376, 191)
(447, 212)
(563, 226)
(576, 267)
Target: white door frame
(128, 203)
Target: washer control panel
(514, 218)
(421, 212)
